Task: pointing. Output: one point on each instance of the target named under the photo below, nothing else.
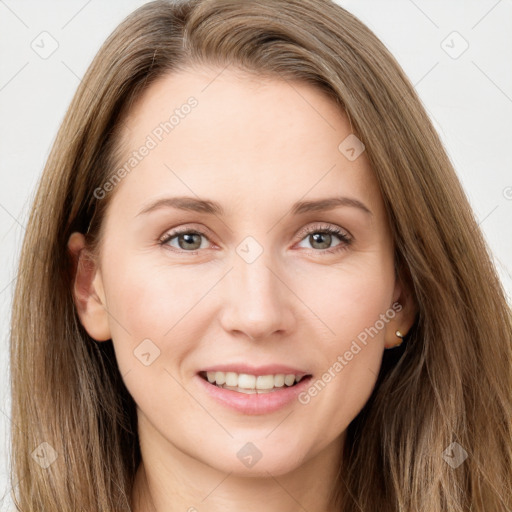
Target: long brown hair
(451, 381)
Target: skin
(256, 147)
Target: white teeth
(231, 379)
(266, 382)
(279, 380)
(289, 380)
(241, 390)
(251, 383)
(249, 391)
(247, 381)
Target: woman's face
(252, 283)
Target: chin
(257, 461)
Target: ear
(87, 290)
(405, 314)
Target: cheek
(354, 307)
(152, 310)
(347, 298)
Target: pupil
(320, 235)
(189, 240)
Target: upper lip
(269, 369)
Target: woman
(148, 376)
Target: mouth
(253, 384)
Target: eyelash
(331, 230)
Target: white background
(469, 98)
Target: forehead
(225, 99)
(220, 132)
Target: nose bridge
(257, 301)
(256, 279)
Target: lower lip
(255, 403)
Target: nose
(257, 301)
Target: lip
(254, 404)
(270, 369)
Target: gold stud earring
(399, 335)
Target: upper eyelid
(178, 230)
(203, 231)
(321, 227)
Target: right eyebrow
(185, 203)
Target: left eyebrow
(328, 204)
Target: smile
(258, 393)
(250, 384)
